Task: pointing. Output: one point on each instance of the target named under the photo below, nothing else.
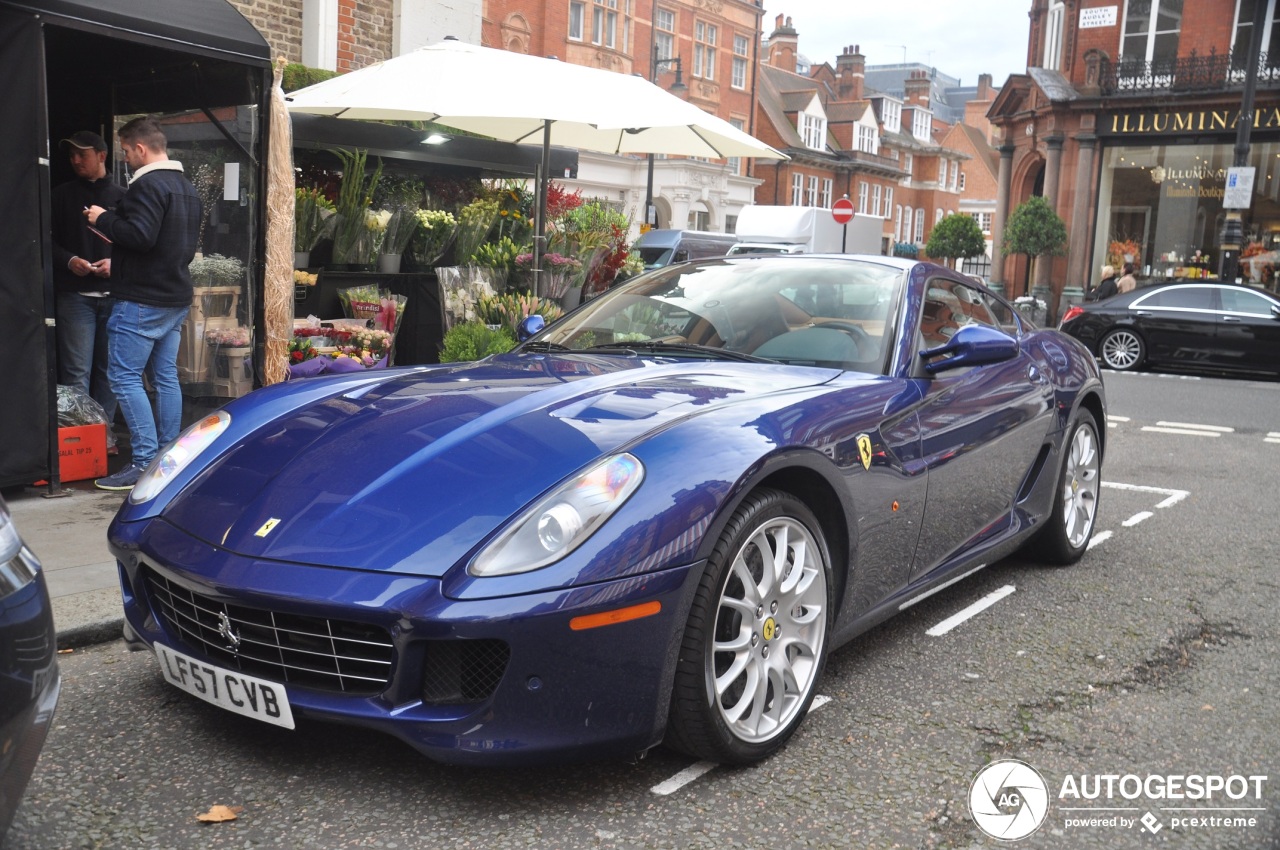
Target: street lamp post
(655, 65)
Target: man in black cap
(81, 272)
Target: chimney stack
(784, 44)
(851, 73)
(917, 89)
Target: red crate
(82, 452)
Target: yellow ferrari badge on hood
(266, 527)
(864, 450)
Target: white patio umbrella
(515, 97)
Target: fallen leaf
(217, 814)
(1206, 707)
(65, 651)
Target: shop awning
(208, 27)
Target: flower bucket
(389, 264)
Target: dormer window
(813, 130)
(891, 115)
(868, 139)
(921, 124)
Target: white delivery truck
(766, 229)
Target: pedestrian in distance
(1106, 287)
(1127, 281)
(82, 271)
(154, 230)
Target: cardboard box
(82, 452)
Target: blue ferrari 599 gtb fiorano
(651, 521)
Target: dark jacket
(1105, 290)
(72, 236)
(154, 229)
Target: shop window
(1160, 207)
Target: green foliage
(298, 76)
(957, 235)
(498, 255)
(354, 235)
(472, 341)
(311, 214)
(1035, 229)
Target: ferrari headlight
(178, 456)
(561, 521)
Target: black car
(1200, 326)
(29, 681)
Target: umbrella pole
(540, 208)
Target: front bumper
(561, 693)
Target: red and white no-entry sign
(842, 211)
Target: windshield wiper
(677, 348)
(543, 345)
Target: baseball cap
(85, 140)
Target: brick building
(974, 137)
(1126, 121)
(712, 45)
(846, 139)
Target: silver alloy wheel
(1122, 350)
(1080, 483)
(770, 630)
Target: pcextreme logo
(1009, 800)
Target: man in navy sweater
(154, 230)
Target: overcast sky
(963, 38)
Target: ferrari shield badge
(864, 450)
(274, 521)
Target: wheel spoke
(751, 592)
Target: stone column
(1003, 176)
(1043, 287)
(1078, 272)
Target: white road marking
(976, 608)
(1175, 496)
(1196, 427)
(1111, 418)
(1137, 518)
(683, 778)
(1272, 437)
(699, 769)
(1100, 537)
(1153, 429)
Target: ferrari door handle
(1233, 319)
(1035, 375)
(1145, 313)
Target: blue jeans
(82, 347)
(139, 336)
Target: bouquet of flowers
(304, 278)
(300, 349)
(398, 230)
(434, 232)
(509, 309)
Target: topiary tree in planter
(956, 237)
(1035, 230)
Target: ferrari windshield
(826, 312)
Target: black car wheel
(1066, 533)
(1123, 350)
(756, 639)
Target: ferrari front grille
(338, 656)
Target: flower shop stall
(199, 66)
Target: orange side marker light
(620, 615)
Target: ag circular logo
(1008, 799)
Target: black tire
(1123, 349)
(1070, 523)
(771, 630)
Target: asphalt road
(1157, 655)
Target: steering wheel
(853, 329)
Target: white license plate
(229, 689)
